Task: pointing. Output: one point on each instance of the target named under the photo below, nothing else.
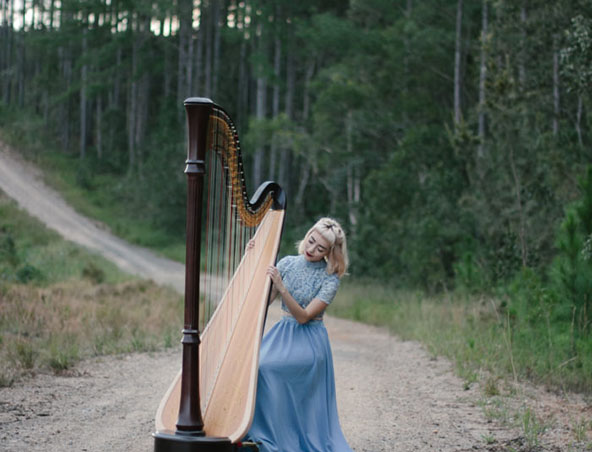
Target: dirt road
(392, 395)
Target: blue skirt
(296, 408)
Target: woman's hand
(276, 278)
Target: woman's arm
(274, 294)
(303, 315)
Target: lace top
(307, 280)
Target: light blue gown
(296, 407)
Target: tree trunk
(406, 69)
(141, 118)
(482, 77)
(198, 67)
(83, 100)
(520, 208)
(208, 21)
(99, 127)
(285, 160)
(243, 82)
(184, 62)
(218, 15)
(8, 40)
(522, 55)
(275, 104)
(555, 86)
(66, 64)
(260, 112)
(20, 58)
(457, 64)
(579, 119)
(166, 57)
(353, 177)
(131, 109)
(51, 13)
(306, 161)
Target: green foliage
(366, 97)
(32, 254)
(81, 306)
(572, 270)
(93, 272)
(518, 333)
(28, 273)
(63, 354)
(576, 56)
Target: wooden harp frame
(190, 434)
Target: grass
(490, 341)
(101, 193)
(484, 337)
(60, 304)
(71, 304)
(53, 327)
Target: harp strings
(219, 331)
(227, 268)
(228, 223)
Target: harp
(210, 405)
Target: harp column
(190, 419)
(189, 435)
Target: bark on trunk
(243, 83)
(482, 78)
(353, 176)
(184, 62)
(64, 113)
(555, 87)
(99, 127)
(308, 159)
(8, 40)
(579, 120)
(208, 21)
(275, 106)
(457, 63)
(260, 114)
(520, 208)
(83, 101)
(131, 110)
(198, 66)
(20, 59)
(219, 17)
(406, 57)
(285, 160)
(522, 55)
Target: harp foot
(168, 441)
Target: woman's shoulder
(286, 261)
(332, 276)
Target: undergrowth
(96, 188)
(494, 336)
(60, 303)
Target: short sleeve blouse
(307, 280)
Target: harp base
(169, 441)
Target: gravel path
(392, 395)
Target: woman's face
(316, 247)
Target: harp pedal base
(168, 441)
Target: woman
(296, 407)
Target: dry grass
(52, 327)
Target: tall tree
(482, 80)
(457, 63)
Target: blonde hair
(331, 230)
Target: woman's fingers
(274, 273)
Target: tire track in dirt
(23, 182)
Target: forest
(451, 138)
